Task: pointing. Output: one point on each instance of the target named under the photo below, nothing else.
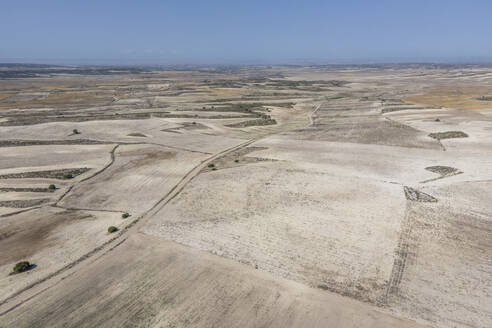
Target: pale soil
(304, 223)
(40, 158)
(51, 238)
(290, 222)
(448, 264)
(151, 283)
(138, 178)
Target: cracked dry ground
(346, 212)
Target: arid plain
(324, 196)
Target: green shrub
(22, 266)
(211, 165)
(75, 131)
(236, 161)
(125, 215)
(68, 176)
(51, 187)
(112, 229)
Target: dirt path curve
(53, 279)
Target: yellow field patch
(458, 97)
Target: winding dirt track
(42, 285)
(51, 280)
(191, 274)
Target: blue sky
(229, 32)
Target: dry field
(247, 197)
(460, 97)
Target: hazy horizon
(221, 32)
(293, 62)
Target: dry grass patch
(453, 97)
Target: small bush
(437, 120)
(75, 131)
(125, 215)
(211, 165)
(214, 169)
(68, 176)
(51, 187)
(236, 161)
(22, 267)
(112, 229)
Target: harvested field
(263, 229)
(56, 158)
(458, 233)
(221, 285)
(52, 238)
(349, 121)
(460, 97)
(271, 196)
(135, 181)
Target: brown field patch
(24, 239)
(143, 158)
